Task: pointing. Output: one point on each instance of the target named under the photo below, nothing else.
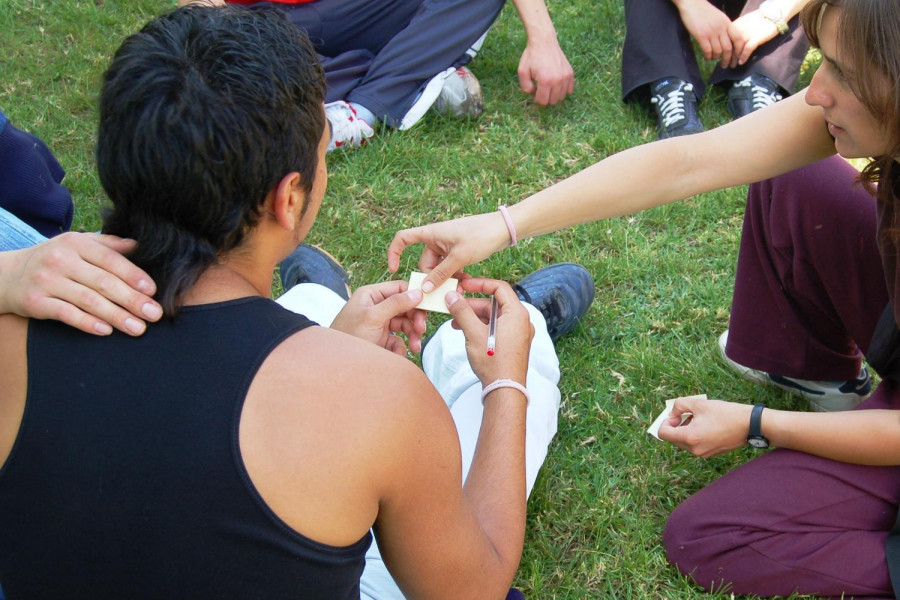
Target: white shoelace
(671, 105)
(761, 96)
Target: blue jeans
(14, 235)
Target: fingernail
(151, 311)
(451, 298)
(427, 287)
(134, 326)
(103, 328)
(145, 286)
(414, 294)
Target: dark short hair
(868, 39)
(201, 114)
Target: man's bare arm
(428, 529)
(709, 26)
(544, 71)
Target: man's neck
(227, 281)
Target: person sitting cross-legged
(760, 46)
(391, 61)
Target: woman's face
(856, 131)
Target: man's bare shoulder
(325, 403)
(326, 376)
(13, 378)
(13, 333)
(344, 362)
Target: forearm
(869, 437)
(536, 20)
(613, 187)
(681, 4)
(789, 8)
(738, 153)
(495, 485)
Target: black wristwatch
(755, 437)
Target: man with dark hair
(391, 61)
(236, 449)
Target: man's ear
(288, 200)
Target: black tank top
(126, 479)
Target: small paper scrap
(435, 300)
(667, 413)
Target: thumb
(526, 83)
(398, 304)
(440, 273)
(686, 404)
(463, 314)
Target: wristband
(505, 383)
(509, 224)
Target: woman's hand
(376, 312)
(748, 33)
(81, 279)
(451, 245)
(715, 426)
(513, 332)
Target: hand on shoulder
(81, 279)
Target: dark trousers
(381, 53)
(808, 293)
(657, 45)
(31, 182)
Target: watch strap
(756, 420)
(755, 433)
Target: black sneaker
(562, 292)
(308, 264)
(676, 107)
(751, 93)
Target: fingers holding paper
(377, 312)
(714, 426)
(451, 245)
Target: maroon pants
(808, 293)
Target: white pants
(446, 365)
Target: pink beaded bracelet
(509, 224)
(505, 383)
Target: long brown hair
(869, 40)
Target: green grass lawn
(664, 277)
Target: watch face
(758, 442)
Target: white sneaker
(426, 99)
(823, 396)
(347, 130)
(460, 96)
